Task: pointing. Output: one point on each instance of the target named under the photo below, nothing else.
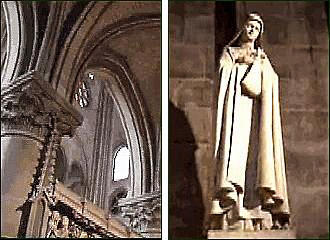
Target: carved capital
(28, 104)
(143, 212)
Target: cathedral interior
(80, 119)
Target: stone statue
(250, 173)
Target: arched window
(121, 164)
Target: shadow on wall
(186, 208)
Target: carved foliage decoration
(22, 110)
(23, 105)
(142, 212)
(59, 226)
(30, 103)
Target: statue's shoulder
(233, 52)
(227, 56)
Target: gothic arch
(89, 32)
(87, 57)
(19, 21)
(97, 56)
(119, 84)
(95, 41)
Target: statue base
(263, 234)
(241, 223)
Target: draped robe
(249, 136)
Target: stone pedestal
(264, 234)
(241, 223)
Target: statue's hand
(250, 89)
(251, 85)
(261, 54)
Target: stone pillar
(33, 119)
(19, 158)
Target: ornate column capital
(28, 105)
(143, 213)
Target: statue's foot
(276, 225)
(237, 226)
(227, 203)
(244, 214)
(228, 200)
(268, 204)
(285, 226)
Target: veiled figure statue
(250, 173)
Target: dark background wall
(192, 71)
(296, 41)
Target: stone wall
(295, 40)
(192, 73)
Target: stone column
(33, 120)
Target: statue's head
(253, 29)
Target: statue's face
(252, 30)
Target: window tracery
(83, 92)
(82, 95)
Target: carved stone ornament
(141, 212)
(72, 217)
(28, 104)
(31, 107)
(44, 181)
(59, 226)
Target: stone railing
(73, 217)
